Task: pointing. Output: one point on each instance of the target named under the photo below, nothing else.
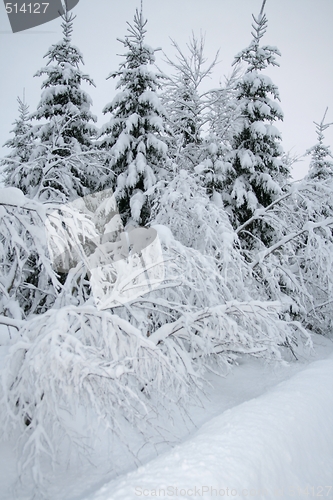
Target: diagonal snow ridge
(278, 445)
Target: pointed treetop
(23, 107)
(321, 127)
(258, 57)
(138, 31)
(321, 166)
(139, 53)
(67, 26)
(64, 52)
(262, 9)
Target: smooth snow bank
(273, 446)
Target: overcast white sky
(301, 29)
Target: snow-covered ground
(278, 445)
(264, 432)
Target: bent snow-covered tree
(134, 134)
(121, 363)
(29, 279)
(256, 171)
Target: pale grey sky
(301, 29)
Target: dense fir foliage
(15, 174)
(256, 171)
(67, 127)
(63, 103)
(129, 269)
(61, 164)
(134, 134)
(321, 166)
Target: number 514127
(27, 8)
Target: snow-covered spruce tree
(318, 205)
(63, 164)
(256, 172)
(134, 134)
(14, 164)
(186, 103)
(321, 165)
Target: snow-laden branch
(260, 212)
(225, 331)
(308, 226)
(295, 189)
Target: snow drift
(279, 445)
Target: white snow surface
(277, 445)
(12, 196)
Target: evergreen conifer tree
(321, 165)
(16, 173)
(256, 171)
(61, 167)
(319, 204)
(134, 134)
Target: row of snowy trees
(173, 240)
